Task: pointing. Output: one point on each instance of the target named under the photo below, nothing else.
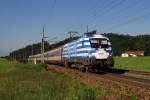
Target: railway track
(135, 78)
(131, 78)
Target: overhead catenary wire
(129, 21)
(133, 19)
(126, 8)
(53, 7)
(52, 10)
(106, 8)
(93, 7)
(114, 5)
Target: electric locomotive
(90, 50)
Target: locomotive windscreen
(99, 42)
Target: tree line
(22, 54)
(120, 43)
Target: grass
(30, 82)
(6, 65)
(133, 63)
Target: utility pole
(32, 52)
(13, 57)
(87, 28)
(42, 46)
(25, 54)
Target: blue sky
(21, 21)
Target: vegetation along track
(132, 78)
(135, 78)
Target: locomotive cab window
(104, 43)
(97, 42)
(94, 43)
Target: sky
(21, 21)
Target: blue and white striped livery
(90, 48)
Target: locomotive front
(103, 50)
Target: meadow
(31, 82)
(133, 63)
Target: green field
(133, 63)
(30, 82)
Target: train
(89, 51)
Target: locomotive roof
(85, 37)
